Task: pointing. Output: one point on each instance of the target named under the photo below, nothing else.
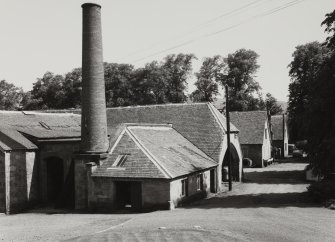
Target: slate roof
(200, 123)
(251, 126)
(277, 127)
(43, 125)
(10, 139)
(155, 151)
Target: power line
(201, 26)
(266, 13)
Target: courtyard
(271, 205)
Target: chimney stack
(94, 138)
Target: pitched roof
(161, 152)
(43, 125)
(277, 127)
(251, 126)
(10, 139)
(200, 123)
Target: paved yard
(270, 206)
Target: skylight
(120, 160)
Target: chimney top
(90, 5)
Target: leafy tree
(118, 88)
(149, 85)
(48, 91)
(244, 90)
(272, 105)
(329, 22)
(10, 96)
(72, 89)
(208, 77)
(304, 69)
(177, 69)
(320, 119)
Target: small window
(120, 160)
(199, 182)
(184, 187)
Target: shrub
(322, 190)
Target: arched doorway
(235, 161)
(55, 179)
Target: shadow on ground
(275, 177)
(271, 200)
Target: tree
(177, 69)
(10, 96)
(48, 92)
(149, 85)
(304, 69)
(329, 22)
(118, 88)
(209, 75)
(244, 90)
(72, 87)
(272, 105)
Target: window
(184, 184)
(120, 160)
(199, 182)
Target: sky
(45, 35)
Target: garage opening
(55, 179)
(129, 195)
(234, 163)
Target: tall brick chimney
(94, 121)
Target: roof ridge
(159, 105)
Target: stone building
(255, 135)
(142, 157)
(280, 134)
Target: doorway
(55, 179)
(235, 162)
(129, 195)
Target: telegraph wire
(266, 13)
(201, 26)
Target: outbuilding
(255, 136)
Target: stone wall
(63, 150)
(155, 194)
(2, 183)
(18, 181)
(101, 194)
(176, 196)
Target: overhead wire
(201, 26)
(266, 13)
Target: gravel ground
(271, 205)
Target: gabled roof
(251, 125)
(277, 127)
(200, 123)
(155, 151)
(10, 139)
(43, 125)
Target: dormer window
(120, 160)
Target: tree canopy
(244, 90)
(10, 96)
